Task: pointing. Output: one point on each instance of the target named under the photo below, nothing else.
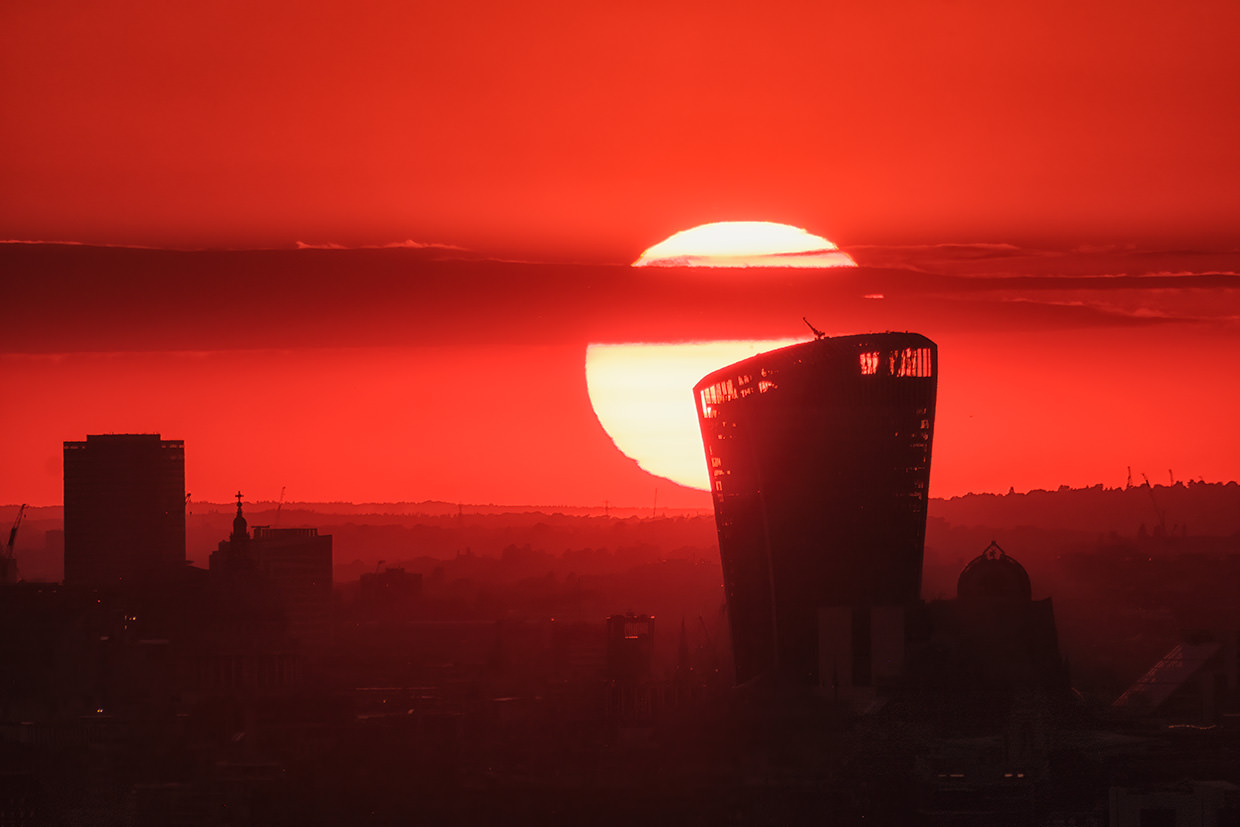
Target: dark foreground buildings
(819, 456)
(124, 510)
(220, 699)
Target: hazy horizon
(388, 375)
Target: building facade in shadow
(819, 459)
(283, 571)
(124, 510)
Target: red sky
(385, 376)
(572, 132)
(588, 131)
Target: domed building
(985, 668)
(994, 576)
(994, 637)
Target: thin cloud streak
(407, 244)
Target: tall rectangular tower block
(124, 509)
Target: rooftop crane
(818, 334)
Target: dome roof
(993, 575)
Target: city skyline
(450, 298)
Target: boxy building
(124, 509)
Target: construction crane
(8, 562)
(279, 505)
(711, 654)
(1162, 515)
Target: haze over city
(650, 413)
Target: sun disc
(642, 395)
(744, 244)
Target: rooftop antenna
(818, 334)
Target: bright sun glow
(744, 244)
(643, 397)
(643, 393)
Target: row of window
(729, 389)
(909, 361)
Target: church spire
(239, 533)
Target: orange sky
(384, 376)
(577, 130)
(571, 132)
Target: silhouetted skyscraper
(630, 647)
(819, 456)
(124, 509)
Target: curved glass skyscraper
(819, 456)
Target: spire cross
(239, 534)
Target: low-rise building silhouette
(292, 565)
(389, 592)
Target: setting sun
(642, 392)
(744, 244)
(643, 397)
